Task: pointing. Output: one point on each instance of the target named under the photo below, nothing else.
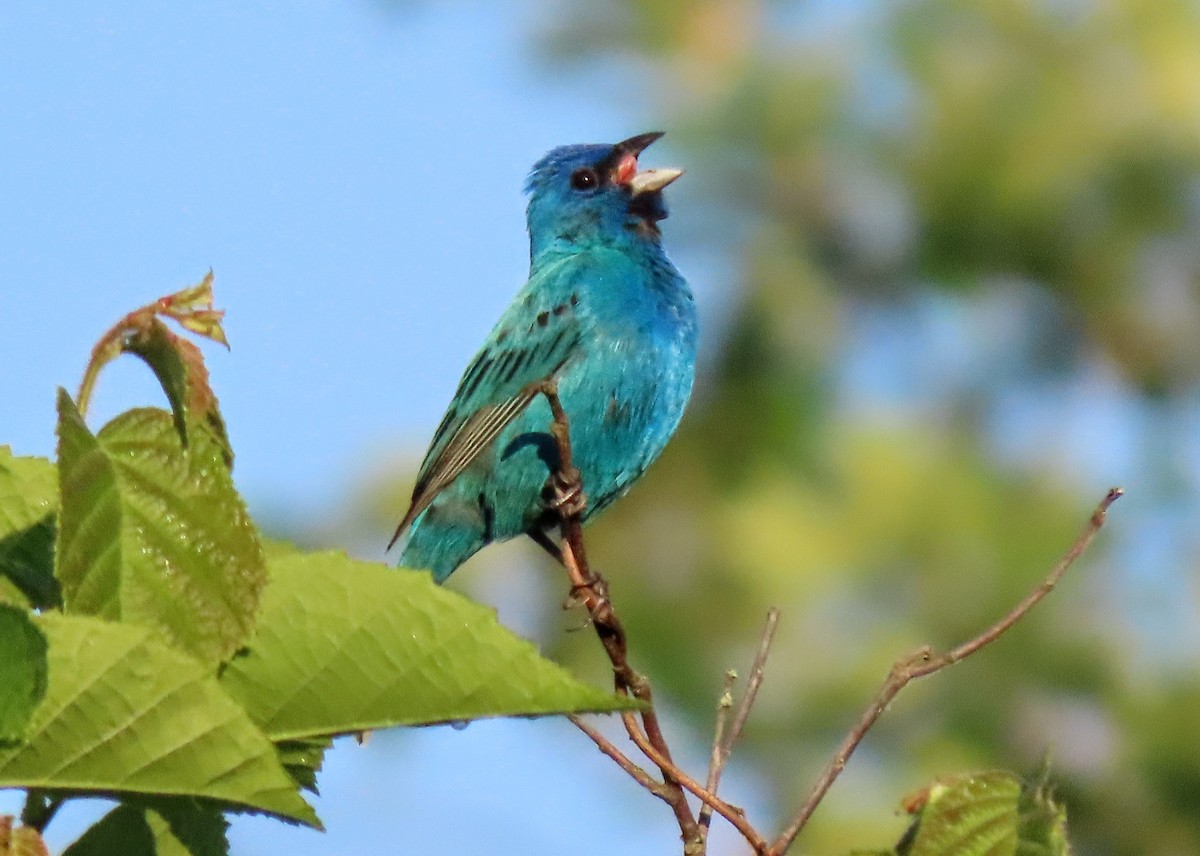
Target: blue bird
(606, 314)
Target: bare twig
(592, 590)
(735, 815)
(675, 781)
(755, 681)
(726, 737)
(716, 760)
(925, 662)
(606, 746)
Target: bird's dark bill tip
(637, 144)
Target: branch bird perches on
(588, 588)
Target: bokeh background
(948, 259)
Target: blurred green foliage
(868, 161)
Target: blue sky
(352, 174)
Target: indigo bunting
(609, 317)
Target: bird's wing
(533, 339)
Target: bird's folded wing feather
(531, 342)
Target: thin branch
(925, 662)
(606, 746)
(716, 760)
(1089, 532)
(628, 681)
(592, 590)
(755, 681)
(732, 813)
(727, 737)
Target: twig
(593, 591)
(606, 746)
(716, 760)
(735, 815)
(628, 681)
(925, 662)
(727, 737)
(755, 681)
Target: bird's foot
(564, 494)
(594, 589)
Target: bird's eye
(584, 179)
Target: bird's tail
(439, 549)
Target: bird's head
(596, 194)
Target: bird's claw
(564, 493)
(594, 586)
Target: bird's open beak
(650, 180)
(636, 145)
(625, 171)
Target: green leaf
(88, 562)
(161, 827)
(10, 594)
(123, 830)
(162, 351)
(303, 759)
(28, 502)
(126, 713)
(188, 828)
(275, 548)
(22, 672)
(344, 646)
(153, 533)
(1043, 823)
(986, 814)
(179, 367)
